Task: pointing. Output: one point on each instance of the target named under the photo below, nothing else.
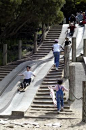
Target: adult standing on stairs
(56, 52)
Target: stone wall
(76, 76)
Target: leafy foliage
(19, 16)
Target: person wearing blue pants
(56, 52)
(56, 59)
(59, 94)
(59, 98)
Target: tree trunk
(4, 54)
(84, 48)
(43, 32)
(74, 49)
(35, 42)
(20, 50)
(66, 62)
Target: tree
(7, 14)
(20, 14)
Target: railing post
(71, 82)
(66, 62)
(73, 49)
(20, 50)
(4, 54)
(84, 47)
(84, 102)
(35, 42)
(43, 32)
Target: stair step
(49, 110)
(56, 28)
(54, 76)
(48, 106)
(54, 116)
(1, 79)
(60, 68)
(46, 47)
(53, 34)
(46, 51)
(61, 65)
(59, 71)
(6, 69)
(43, 50)
(9, 66)
(40, 53)
(4, 72)
(49, 83)
(52, 39)
(38, 56)
(43, 94)
(17, 62)
(44, 86)
(45, 102)
(55, 72)
(46, 42)
(2, 76)
(50, 80)
(55, 31)
(45, 98)
(48, 37)
(49, 40)
(43, 90)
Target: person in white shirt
(27, 77)
(56, 51)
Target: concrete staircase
(43, 50)
(42, 105)
(46, 46)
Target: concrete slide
(11, 100)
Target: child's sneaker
(56, 68)
(58, 111)
(54, 65)
(62, 109)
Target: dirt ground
(43, 124)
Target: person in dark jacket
(72, 19)
(71, 27)
(67, 41)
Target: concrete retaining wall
(77, 75)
